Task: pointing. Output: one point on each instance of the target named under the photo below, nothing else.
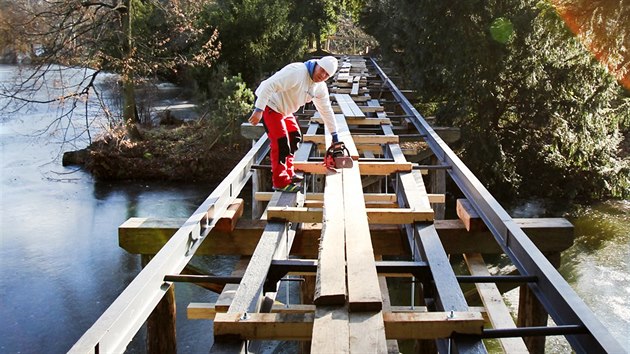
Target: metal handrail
(555, 294)
(117, 326)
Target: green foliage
(231, 106)
(318, 17)
(539, 115)
(257, 36)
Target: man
(278, 98)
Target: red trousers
(284, 138)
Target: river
(61, 266)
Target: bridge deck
(335, 236)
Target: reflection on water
(60, 263)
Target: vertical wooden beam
(161, 330)
(258, 185)
(438, 186)
(532, 313)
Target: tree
(534, 107)
(319, 18)
(110, 36)
(257, 36)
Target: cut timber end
(228, 220)
(469, 216)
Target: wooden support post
(161, 331)
(438, 186)
(259, 181)
(532, 313)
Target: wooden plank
(363, 289)
(367, 332)
(275, 326)
(330, 287)
(431, 325)
(497, 310)
(226, 297)
(150, 234)
(229, 290)
(349, 108)
(392, 345)
(357, 138)
(366, 168)
(343, 133)
(356, 121)
(207, 311)
(469, 216)
(331, 332)
(332, 321)
(355, 89)
(374, 215)
(369, 197)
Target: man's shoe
(289, 188)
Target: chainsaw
(337, 156)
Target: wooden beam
(366, 168)
(367, 332)
(411, 325)
(497, 310)
(431, 325)
(355, 121)
(148, 235)
(227, 221)
(375, 215)
(363, 288)
(469, 216)
(357, 138)
(276, 326)
(330, 287)
(331, 333)
(369, 197)
(207, 311)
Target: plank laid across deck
(357, 138)
(355, 120)
(399, 325)
(365, 168)
(349, 108)
(385, 216)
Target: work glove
(335, 139)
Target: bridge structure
(350, 237)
